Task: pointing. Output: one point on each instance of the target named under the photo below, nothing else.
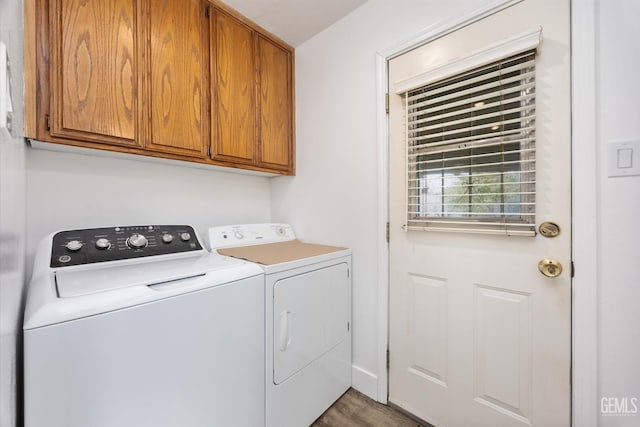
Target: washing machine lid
(75, 283)
(73, 293)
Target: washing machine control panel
(77, 247)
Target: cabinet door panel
(94, 70)
(275, 105)
(178, 86)
(234, 89)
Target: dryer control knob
(137, 241)
(239, 234)
(167, 238)
(185, 237)
(103, 243)
(74, 245)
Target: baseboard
(365, 382)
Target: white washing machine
(141, 327)
(308, 318)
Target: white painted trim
(585, 235)
(382, 140)
(364, 381)
(382, 218)
(505, 48)
(442, 28)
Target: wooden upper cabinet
(276, 105)
(252, 95)
(233, 77)
(177, 73)
(191, 80)
(94, 70)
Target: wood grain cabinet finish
(252, 93)
(276, 128)
(234, 113)
(94, 70)
(191, 80)
(178, 84)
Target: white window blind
(471, 150)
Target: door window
(471, 150)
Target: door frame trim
(584, 128)
(585, 221)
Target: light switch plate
(623, 158)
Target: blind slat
(471, 100)
(495, 124)
(430, 178)
(465, 79)
(520, 193)
(479, 165)
(472, 156)
(507, 229)
(474, 109)
(495, 86)
(467, 222)
(478, 139)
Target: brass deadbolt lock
(549, 229)
(550, 267)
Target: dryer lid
(281, 252)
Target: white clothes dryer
(140, 326)
(308, 318)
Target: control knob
(137, 241)
(185, 237)
(167, 238)
(74, 245)
(103, 243)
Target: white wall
(69, 190)
(618, 68)
(12, 220)
(333, 199)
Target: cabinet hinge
(47, 122)
(388, 232)
(348, 326)
(209, 150)
(386, 103)
(573, 269)
(207, 12)
(387, 357)
(348, 272)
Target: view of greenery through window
(489, 191)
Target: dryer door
(310, 317)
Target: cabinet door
(276, 106)
(234, 89)
(177, 84)
(94, 71)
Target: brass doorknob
(550, 267)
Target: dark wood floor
(354, 409)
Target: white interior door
(478, 335)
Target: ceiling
(294, 21)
